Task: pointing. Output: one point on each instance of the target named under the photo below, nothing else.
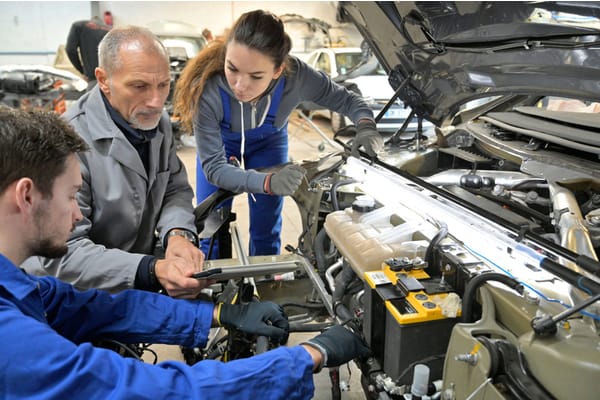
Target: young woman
(237, 96)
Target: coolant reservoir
(367, 238)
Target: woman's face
(248, 71)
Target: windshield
(347, 61)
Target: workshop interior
(465, 252)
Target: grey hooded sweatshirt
(303, 84)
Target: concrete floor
(304, 143)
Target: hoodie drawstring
(243, 133)
(243, 130)
(262, 120)
(243, 143)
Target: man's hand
(175, 275)
(178, 246)
(337, 345)
(264, 318)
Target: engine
(465, 282)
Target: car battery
(404, 324)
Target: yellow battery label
(417, 307)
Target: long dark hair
(259, 30)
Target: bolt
(467, 357)
(531, 297)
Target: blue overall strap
(270, 118)
(225, 99)
(271, 113)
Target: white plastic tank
(367, 238)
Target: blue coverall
(265, 146)
(46, 326)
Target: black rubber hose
(310, 327)
(320, 251)
(439, 236)
(342, 280)
(333, 192)
(310, 306)
(476, 282)
(342, 312)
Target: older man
(135, 194)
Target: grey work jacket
(122, 205)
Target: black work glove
(338, 346)
(286, 181)
(368, 137)
(263, 318)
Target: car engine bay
(486, 275)
(466, 255)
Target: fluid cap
(363, 203)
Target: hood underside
(441, 55)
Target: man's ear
(102, 78)
(25, 194)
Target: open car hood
(440, 55)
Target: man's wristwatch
(184, 233)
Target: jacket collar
(14, 280)
(135, 136)
(101, 127)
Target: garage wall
(32, 31)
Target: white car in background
(348, 67)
